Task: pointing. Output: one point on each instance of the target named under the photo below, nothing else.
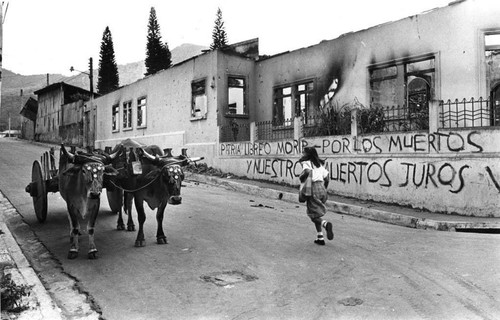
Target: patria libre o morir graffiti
(270, 159)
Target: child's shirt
(318, 174)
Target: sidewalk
(12, 261)
(393, 214)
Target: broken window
(141, 112)
(383, 84)
(403, 90)
(292, 101)
(304, 99)
(115, 110)
(199, 99)
(282, 112)
(492, 58)
(236, 96)
(127, 115)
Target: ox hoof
(92, 255)
(120, 226)
(131, 227)
(140, 243)
(72, 254)
(162, 240)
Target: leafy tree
(108, 79)
(219, 35)
(158, 56)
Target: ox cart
(44, 179)
(152, 176)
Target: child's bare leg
(319, 236)
(320, 223)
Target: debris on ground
(351, 301)
(260, 205)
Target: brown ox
(159, 184)
(80, 184)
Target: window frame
(245, 113)
(310, 95)
(406, 71)
(127, 115)
(143, 108)
(198, 90)
(294, 97)
(487, 81)
(115, 118)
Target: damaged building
(405, 112)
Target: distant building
(60, 114)
(29, 112)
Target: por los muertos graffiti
(382, 173)
(418, 142)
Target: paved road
(237, 256)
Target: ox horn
(70, 156)
(148, 155)
(114, 155)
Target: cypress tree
(219, 36)
(158, 56)
(108, 79)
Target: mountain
(13, 83)
(134, 71)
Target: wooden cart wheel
(40, 195)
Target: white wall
(446, 171)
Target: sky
(50, 36)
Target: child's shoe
(320, 242)
(329, 231)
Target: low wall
(446, 171)
(173, 140)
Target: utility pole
(2, 19)
(1, 46)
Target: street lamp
(90, 74)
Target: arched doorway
(418, 103)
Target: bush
(371, 120)
(12, 294)
(330, 123)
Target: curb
(61, 300)
(366, 212)
(13, 261)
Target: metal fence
(235, 132)
(377, 119)
(468, 114)
(273, 130)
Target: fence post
(297, 128)
(433, 116)
(354, 122)
(253, 132)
